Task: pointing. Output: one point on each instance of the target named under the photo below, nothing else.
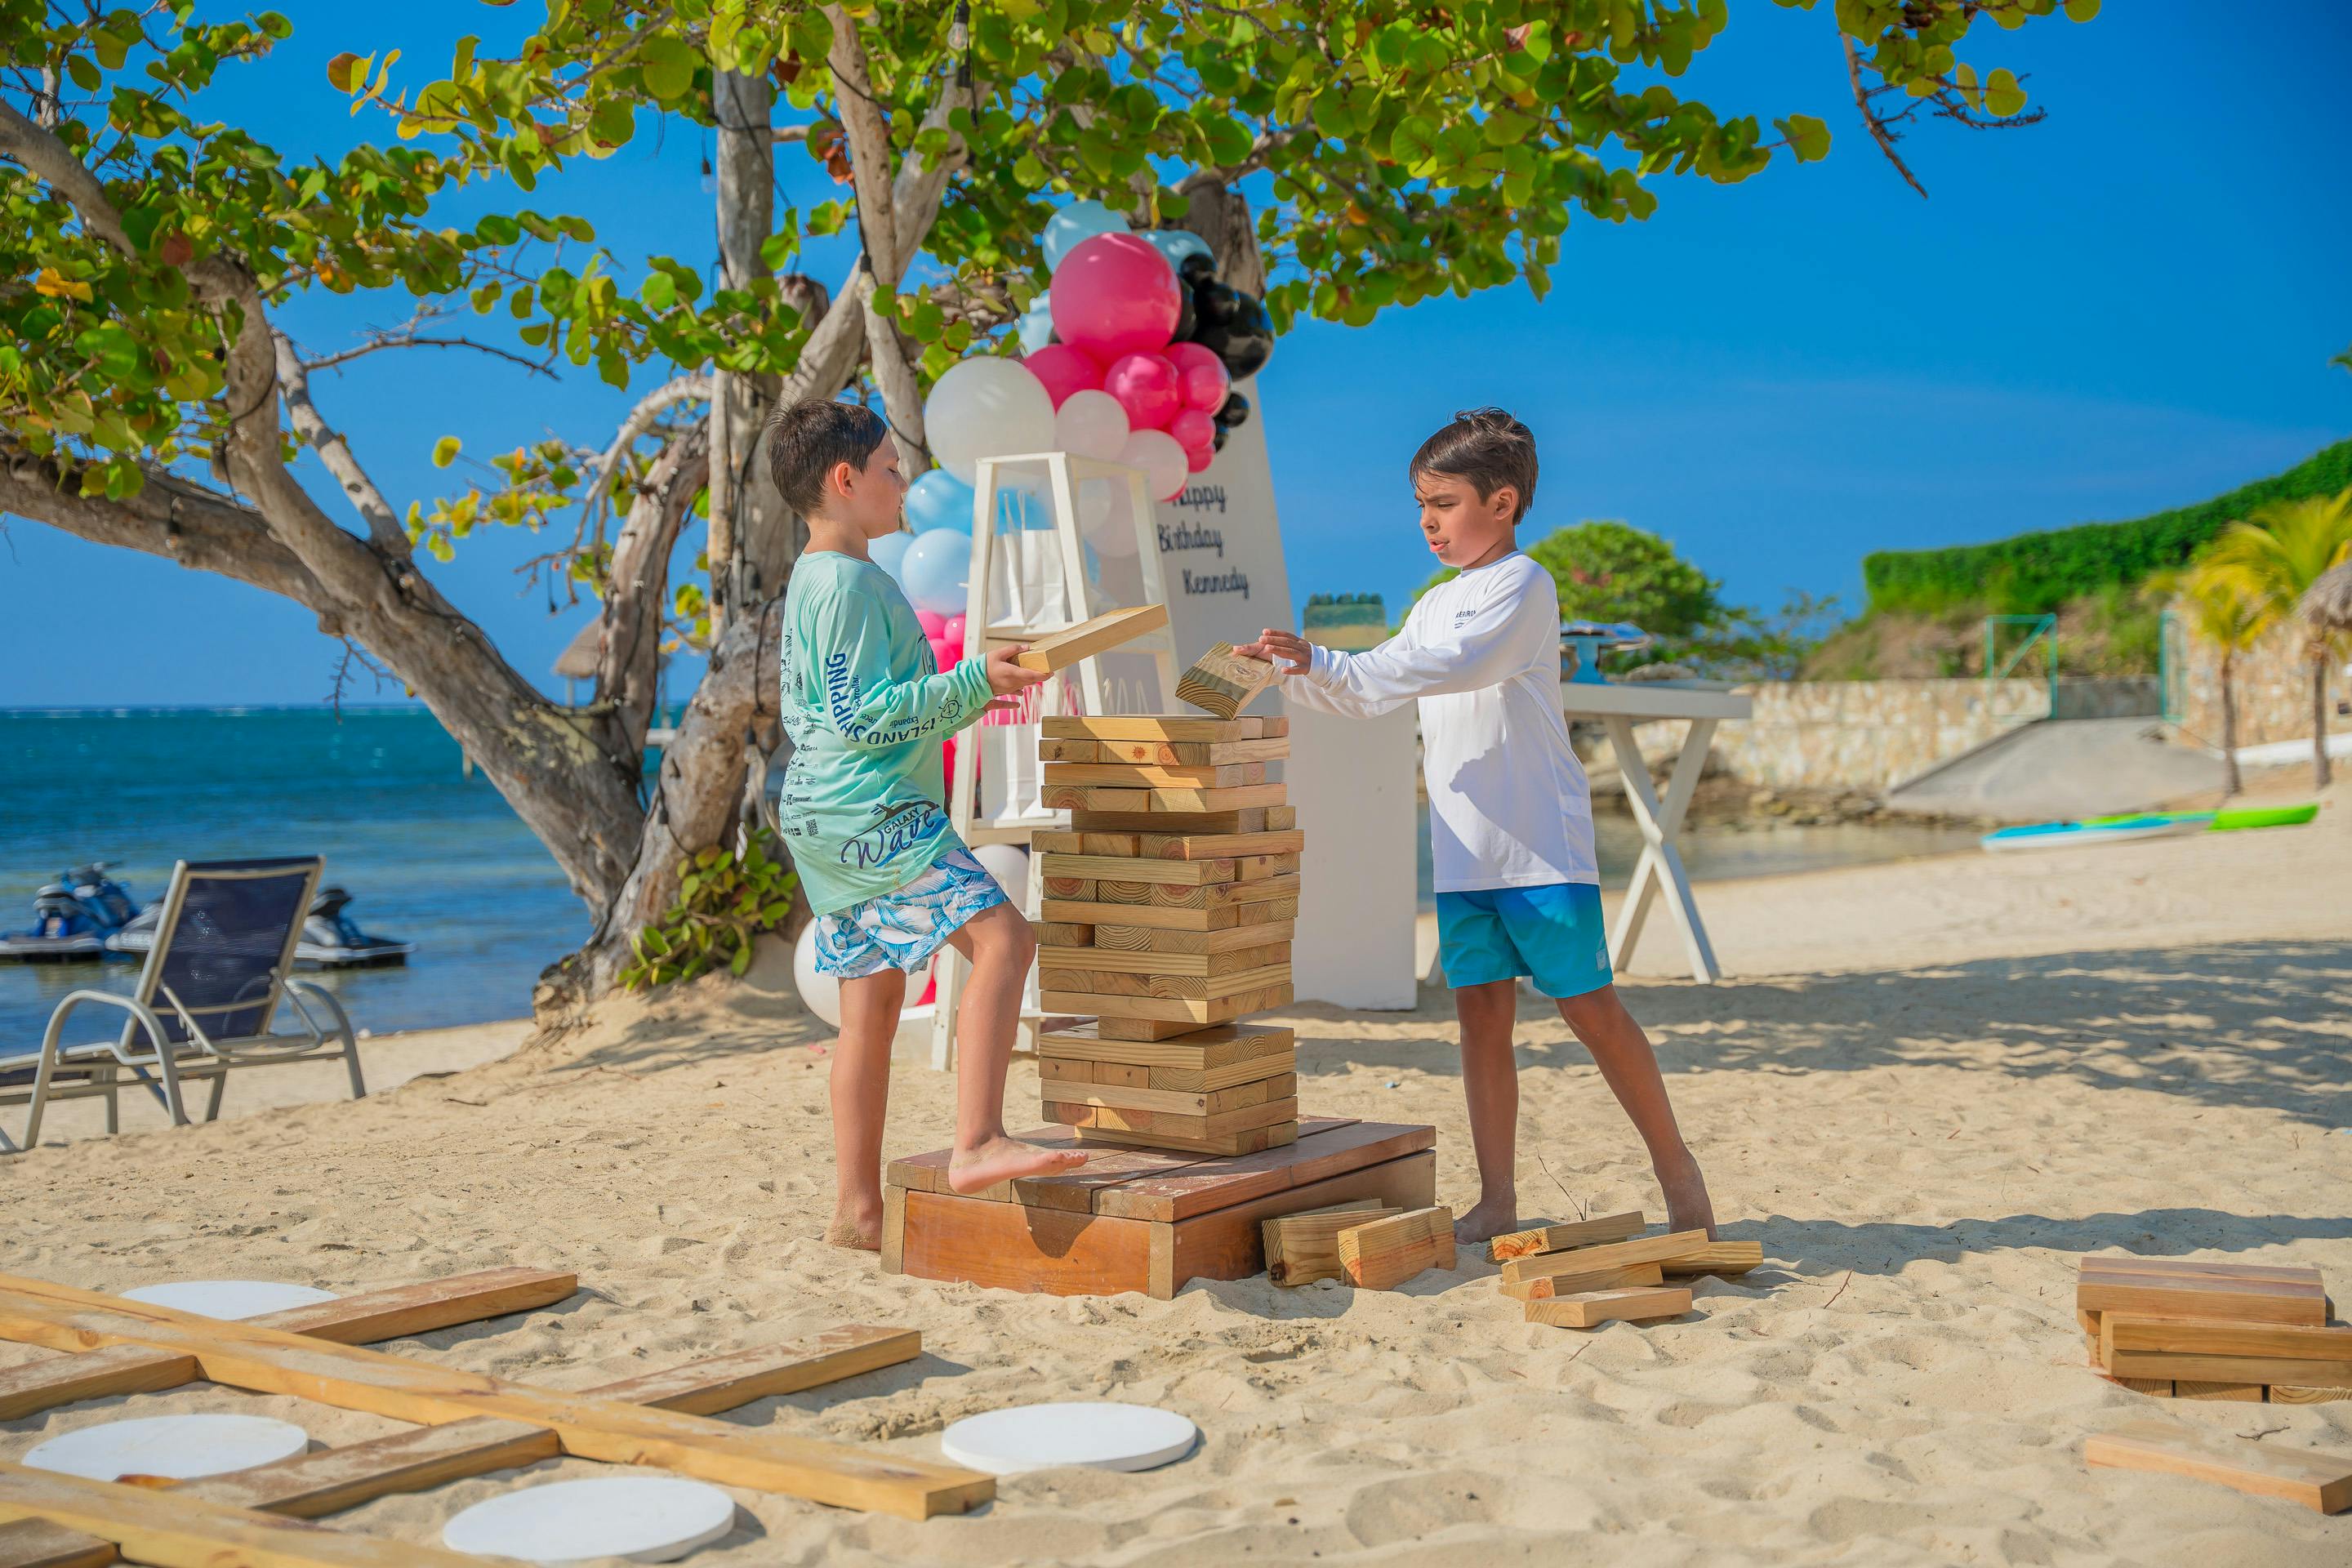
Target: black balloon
(1185, 318)
(1233, 411)
(1217, 442)
(1238, 330)
(1196, 269)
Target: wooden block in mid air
(1386, 1253)
(1303, 1247)
(1591, 1309)
(1559, 1237)
(1223, 683)
(1059, 650)
(2318, 1481)
(1576, 1284)
(1581, 1259)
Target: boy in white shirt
(1510, 816)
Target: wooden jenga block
(1217, 895)
(1385, 1253)
(1169, 1124)
(1152, 775)
(1591, 1309)
(1197, 1050)
(1139, 869)
(1209, 1103)
(2176, 1288)
(2318, 1481)
(1067, 750)
(1061, 933)
(1576, 1284)
(1081, 889)
(1111, 983)
(1259, 868)
(1122, 1075)
(1725, 1259)
(1256, 1140)
(1141, 1029)
(1117, 938)
(1090, 911)
(1303, 1247)
(1218, 846)
(1242, 797)
(1080, 797)
(1065, 1069)
(1188, 753)
(1159, 727)
(1582, 1259)
(1251, 1069)
(1149, 963)
(1177, 823)
(2295, 1393)
(1110, 892)
(2226, 1393)
(1168, 1009)
(1558, 1237)
(1059, 650)
(1281, 818)
(1223, 683)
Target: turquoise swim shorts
(1552, 934)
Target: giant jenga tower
(1168, 913)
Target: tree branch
(384, 526)
(628, 658)
(417, 341)
(639, 420)
(1878, 132)
(902, 388)
(868, 130)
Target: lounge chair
(206, 999)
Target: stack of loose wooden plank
(1168, 913)
(1370, 1246)
(2182, 1327)
(1594, 1271)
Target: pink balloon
(1114, 294)
(933, 622)
(1065, 369)
(1194, 429)
(1206, 380)
(940, 655)
(953, 630)
(1147, 387)
(1198, 459)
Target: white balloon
(1160, 456)
(1092, 425)
(1103, 517)
(819, 994)
(986, 408)
(1009, 864)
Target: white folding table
(1620, 706)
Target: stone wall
(1868, 735)
(2273, 682)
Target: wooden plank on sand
(1591, 1309)
(369, 1316)
(1385, 1253)
(1726, 1259)
(1556, 1237)
(2318, 1481)
(269, 1360)
(1583, 1259)
(1303, 1247)
(183, 1533)
(1575, 1284)
(2197, 1336)
(2236, 1297)
(1059, 650)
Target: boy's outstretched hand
(1287, 650)
(1006, 679)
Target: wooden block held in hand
(1303, 1247)
(1059, 650)
(2320, 1481)
(1591, 1309)
(1223, 683)
(1559, 1237)
(1386, 1253)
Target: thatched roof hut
(2327, 604)
(578, 661)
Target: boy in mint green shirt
(863, 809)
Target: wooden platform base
(1141, 1219)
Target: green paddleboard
(2264, 816)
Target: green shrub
(2036, 572)
(724, 900)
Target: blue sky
(2127, 306)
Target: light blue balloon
(1036, 327)
(938, 499)
(889, 553)
(938, 566)
(1078, 221)
(1019, 509)
(1176, 244)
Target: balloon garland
(1130, 356)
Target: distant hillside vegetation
(1926, 607)
(2036, 572)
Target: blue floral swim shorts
(901, 930)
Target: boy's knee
(1591, 1009)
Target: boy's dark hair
(806, 439)
(1488, 448)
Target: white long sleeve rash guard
(1509, 804)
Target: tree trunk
(1220, 215)
(2231, 784)
(761, 536)
(2322, 770)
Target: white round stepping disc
(1099, 1434)
(646, 1519)
(228, 1298)
(181, 1447)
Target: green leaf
(1809, 138)
(658, 291)
(669, 65)
(85, 74)
(741, 960)
(1416, 145)
(445, 451)
(347, 72)
(2082, 10)
(2003, 96)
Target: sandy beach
(1925, 1087)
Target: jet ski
(331, 939)
(73, 917)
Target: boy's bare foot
(1002, 1159)
(1687, 1206)
(855, 1229)
(1486, 1218)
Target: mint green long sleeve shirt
(864, 801)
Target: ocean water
(436, 856)
(428, 854)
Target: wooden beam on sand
(2320, 1482)
(180, 1532)
(1612, 1255)
(363, 1319)
(1577, 1284)
(2236, 1293)
(270, 1360)
(1303, 1247)
(1559, 1237)
(1591, 1309)
(1728, 1259)
(311, 1485)
(1384, 1253)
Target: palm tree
(2275, 557)
(2221, 613)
